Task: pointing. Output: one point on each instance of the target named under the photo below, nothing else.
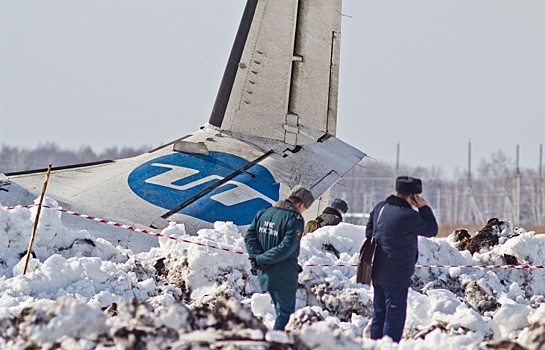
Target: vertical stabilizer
(286, 75)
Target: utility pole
(472, 206)
(438, 205)
(541, 160)
(397, 160)
(517, 191)
(541, 185)
(469, 164)
(467, 210)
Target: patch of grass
(536, 229)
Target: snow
(82, 291)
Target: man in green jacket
(272, 241)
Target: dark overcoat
(329, 217)
(397, 239)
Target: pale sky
(429, 74)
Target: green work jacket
(273, 239)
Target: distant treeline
(495, 189)
(14, 159)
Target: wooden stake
(31, 243)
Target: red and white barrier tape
(487, 266)
(447, 266)
(128, 227)
(331, 265)
(158, 234)
(20, 206)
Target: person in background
(397, 222)
(331, 216)
(272, 241)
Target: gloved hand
(256, 266)
(253, 270)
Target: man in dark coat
(272, 241)
(331, 216)
(396, 226)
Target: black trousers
(389, 312)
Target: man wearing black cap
(396, 226)
(272, 241)
(331, 216)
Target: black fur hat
(408, 185)
(303, 194)
(339, 204)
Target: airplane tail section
(273, 126)
(282, 76)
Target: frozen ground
(82, 292)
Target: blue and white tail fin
(273, 126)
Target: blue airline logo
(173, 179)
